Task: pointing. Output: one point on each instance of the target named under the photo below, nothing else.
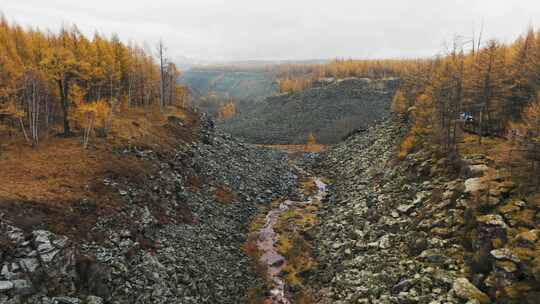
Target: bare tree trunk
(111, 91)
(480, 126)
(108, 124)
(162, 74)
(34, 115)
(23, 130)
(64, 95)
(47, 115)
(86, 135)
(111, 84)
(130, 84)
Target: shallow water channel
(267, 244)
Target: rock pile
(180, 244)
(421, 230)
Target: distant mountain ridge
(236, 84)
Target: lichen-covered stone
(467, 291)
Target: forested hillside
(66, 80)
(222, 92)
(239, 83)
(112, 188)
(491, 90)
(218, 88)
(298, 77)
(476, 111)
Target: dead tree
(162, 62)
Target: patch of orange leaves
(225, 195)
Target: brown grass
(308, 186)
(507, 156)
(59, 185)
(471, 145)
(304, 297)
(292, 244)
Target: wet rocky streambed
(280, 247)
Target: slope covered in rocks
(424, 229)
(170, 216)
(329, 111)
(172, 230)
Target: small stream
(267, 239)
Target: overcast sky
(284, 29)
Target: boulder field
(423, 229)
(329, 111)
(177, 238)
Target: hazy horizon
(225, 31)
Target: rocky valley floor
(208, 220)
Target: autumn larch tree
(490, 88)
(531, 118)
(62, 66)
(399, 103)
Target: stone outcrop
(465, 290)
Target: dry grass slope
(59, 185)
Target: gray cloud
(284, 29)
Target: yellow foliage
(421, 128)
(11, 109)
(399, 103)
(311, 139)
(290, 85)
(298, 77)
(407, 146)
(93, 115)
(422, 116)
(227, 111)
(76, 94)
(69, 69)
(531, 117)
(59, 63)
